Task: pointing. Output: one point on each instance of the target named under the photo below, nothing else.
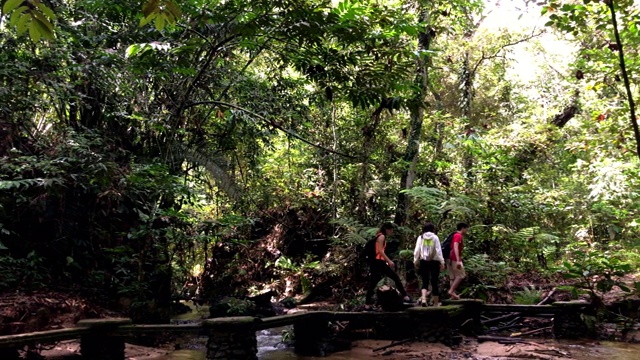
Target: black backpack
(369, 251)
(446, 245)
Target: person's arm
(456, 250)
(439, 256)
(417, 252)
(380, 243)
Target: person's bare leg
(425, 293)
(454, 285)
(436, 301)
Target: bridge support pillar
(569, 322)
(471, 323)
(437, 324)
(232, 338)
(9, 354)
(102, 343)
(311, 336)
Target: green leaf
(45, 10)
(145, 20)
(569, 275)
(10, 5)
(34, 32)
(174, 9)
(133, 50)
(43, 20)
(2, 247)
(160, 22)
(169, 16)
(15, 16)
(44, 28)
(624, 288)
(23, 24)
(567, 7)
(150, 7)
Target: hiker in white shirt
(427, 256)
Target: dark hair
(386, 226)
(429, 227)
(462, 226)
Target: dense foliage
(205, 147)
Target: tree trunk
(410, 157)
(466, 97)
(625, 76)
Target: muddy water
(269, 348)
(604, 350)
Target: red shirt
(457, 238)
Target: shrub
(528, 296)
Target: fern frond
(352, 231)
(209, 163)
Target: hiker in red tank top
(380, 247)
(382, 266)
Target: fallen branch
(499, 318)
(546, 298)
(504, 340)
(532, 331)
(394, 343)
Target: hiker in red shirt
(455, 268)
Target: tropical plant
(529, 295)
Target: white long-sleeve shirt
(428, 248)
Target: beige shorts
(454, 272)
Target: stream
(268, 349)
(271, 348)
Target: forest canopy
(237, 146)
